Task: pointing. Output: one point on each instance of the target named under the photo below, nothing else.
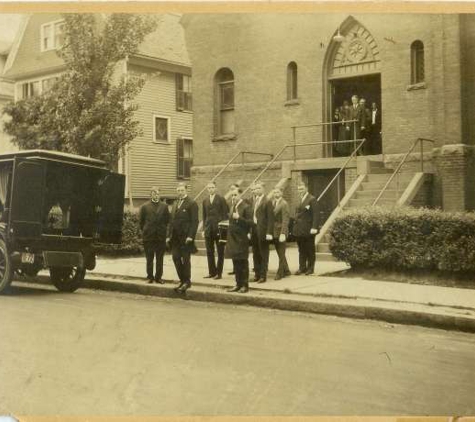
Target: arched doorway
(352, 67)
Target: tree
(89, 110)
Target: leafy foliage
(405, 239)
(89, 110)
(131, 237)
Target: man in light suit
(181, 235)
(306, 227)
(355, 113)
(215, 209)
(281, 231)
(263, 219)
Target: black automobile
(56, 208)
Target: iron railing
(398, 168)
(233, 158)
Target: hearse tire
(6, 271)
(67, 279)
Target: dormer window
(52, 35)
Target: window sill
(293, 102)
(228, 137)
(420, 85)
(161, 142)
(182, 110)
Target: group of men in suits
(367, 125)
(257, 222)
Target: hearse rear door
(111, 200)
(27, 199)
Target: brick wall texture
(258, 47)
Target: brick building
(256, 76)
(162, 155)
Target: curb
(392, 312)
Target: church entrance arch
(352, 67)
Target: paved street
(108, 353)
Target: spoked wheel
(67, 279)
(6, 272)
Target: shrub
(405, 239)
(131, 237)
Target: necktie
(180, 203)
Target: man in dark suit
(306, 227)
(263, 218)
(237, 244)
(375, 131)
(355, 114)
(365, 125)
(181, 235)
(281, 231)
(215, 209)
(153, 219)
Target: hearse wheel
(67, 279)
(6, 272)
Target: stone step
(325, 256)
(373, 193)
(380, 185)
(323, 247)
(384, 177)
(365, 202)
(380, 170)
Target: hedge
(131, 238)
(405, 239)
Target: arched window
(292, 81)
(417, 62)
(224, 102)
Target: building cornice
(161, 64)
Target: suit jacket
(306, 217)
(153, 220)
(281, 218)
(265, 217)
(237, 244)
(213, 213)
(183, 222)
(376, 127)
(356, 114)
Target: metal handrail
(353, 155)
(242, 153)
(281, 151)
(398, 168)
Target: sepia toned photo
(237, 212)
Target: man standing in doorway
(306, 227)
(263, 218)
(153, 221)
(215, 210)
(355, 114)
(181, 235)
(375, 131)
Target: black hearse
(55, 209)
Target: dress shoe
(298, 272)
(218, 277)
(243, 289)
(209, 276)
(159, 281)
(185, 287)
(231, 273)
(262, 280)
(178, 289)
(256, 278)
(277, 277)
(233, 289)
(149, 280)
(308, 272)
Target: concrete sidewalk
(444, 307)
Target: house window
(161, 129)
(225, 102)
(184, 157)
(184, 99)
(417, 62)
(292, 81)
(30, 89)
(52, 35)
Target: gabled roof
(166, 43)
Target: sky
(9, 24)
